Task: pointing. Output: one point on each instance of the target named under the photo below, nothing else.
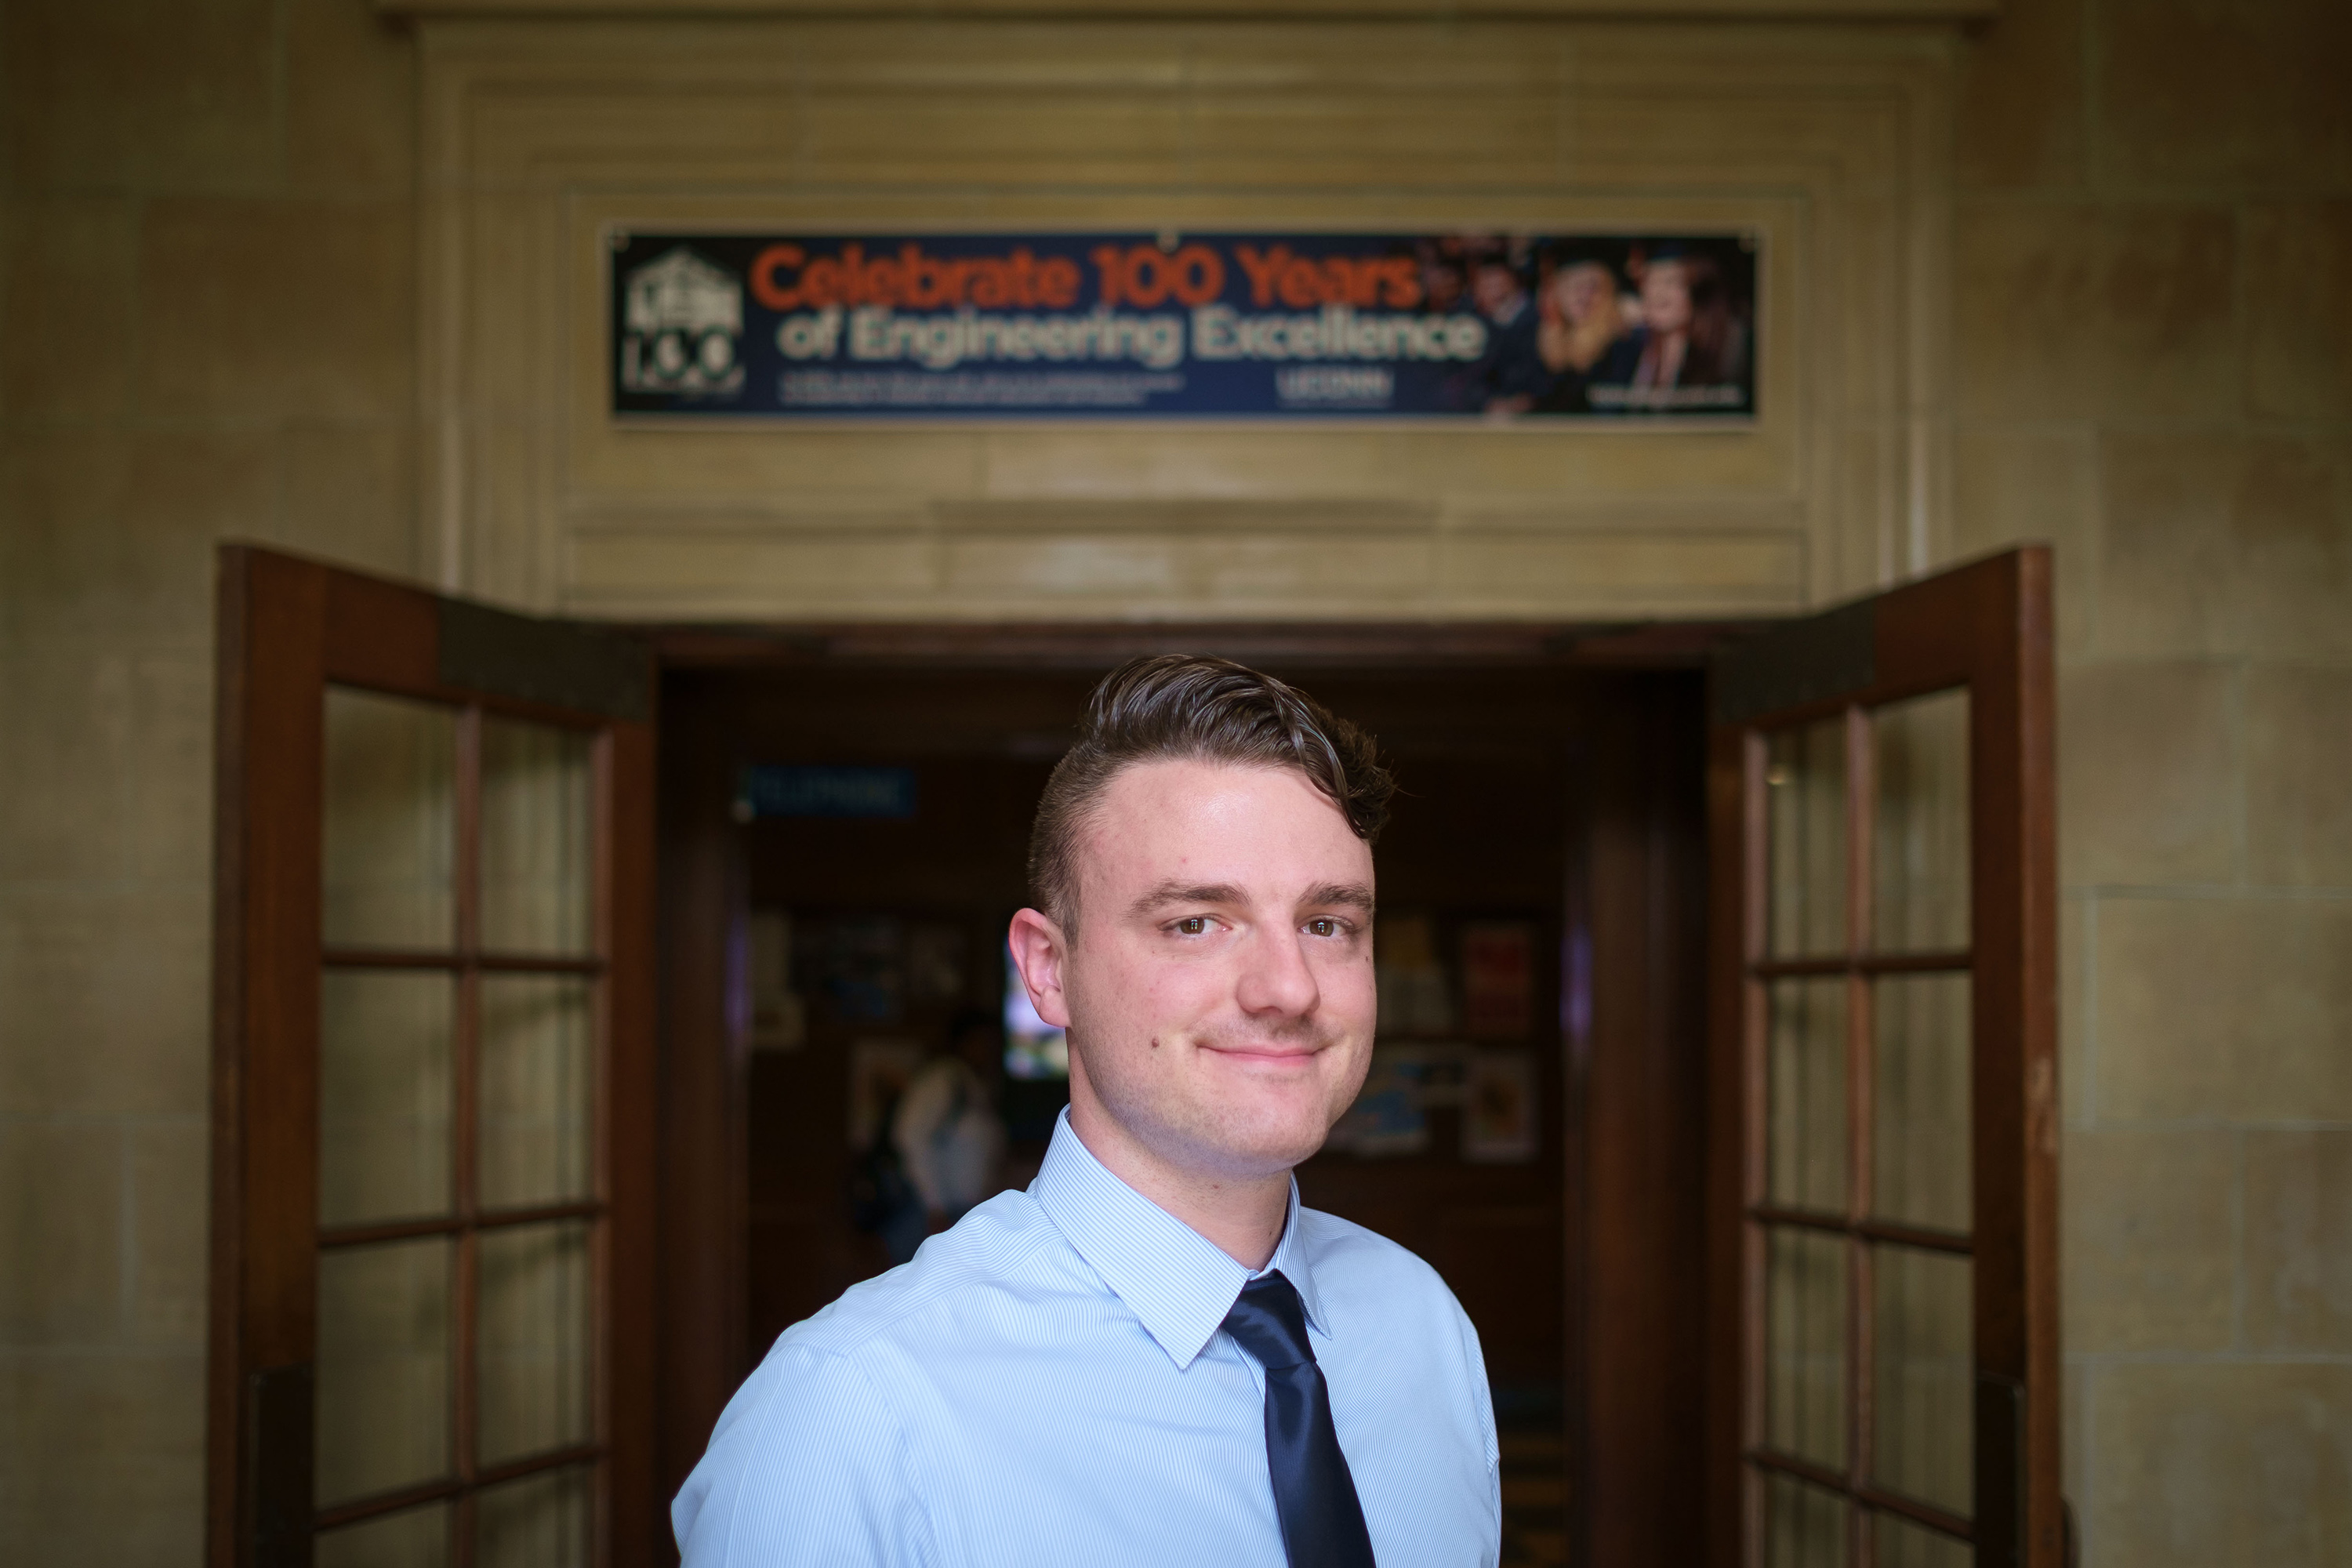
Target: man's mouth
(1263, 1050)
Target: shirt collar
(1176, 1281)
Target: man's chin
(1250, 1147)
(1226, 1129)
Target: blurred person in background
(949, 1137)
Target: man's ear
(1038, 952)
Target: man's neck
(1242, 1218)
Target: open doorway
(849, 826)
(1805, 1277)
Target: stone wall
(2154, 295)
(2152, 265)
(208, 331)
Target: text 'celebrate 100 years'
(1345, 326)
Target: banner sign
(1251, 326)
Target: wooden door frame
(1636, 1112)
(1985, 626)
(288, 628)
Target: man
(1154, 1355)
(1510, 375)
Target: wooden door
(433, 1129)
(1883, 1197)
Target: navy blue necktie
(1314, 1495)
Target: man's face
(1498, 290)
(1219, 993)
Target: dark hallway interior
(857, 932)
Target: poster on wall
(1500, 1118)
(1530, 328)
(779, 1016)
(1415, 998)
(1498, 979)
(1389, 1116)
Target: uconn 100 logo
(682, 318)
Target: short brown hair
(1175, 707)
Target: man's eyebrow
(1175, 892)
(1353, 895)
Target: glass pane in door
(1920, 1115)
(1804, 1527)
(1920, 846)
(390, 822)
(1903, 1544)
(536, 1061)
(1919, 1132)
(383, 1383)
(414, 1538)
(1805, 1099)
(1804, 1345)
(1925, 1425)
(1805, 806)
(534, 1341)
(540, 1521)
(383, 1094)
(537, 826)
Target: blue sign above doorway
(766, 790)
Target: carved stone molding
(543, 137)
(1160, 10)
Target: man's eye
(1323, 927)
(1192, 925)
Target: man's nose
(1275, 979)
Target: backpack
(878, 1187)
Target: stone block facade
(211, 299)
(2152, 292)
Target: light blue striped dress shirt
(1049, 1384)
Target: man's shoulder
(825, 1423)
(1005, 1246)
(1345, 1254)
